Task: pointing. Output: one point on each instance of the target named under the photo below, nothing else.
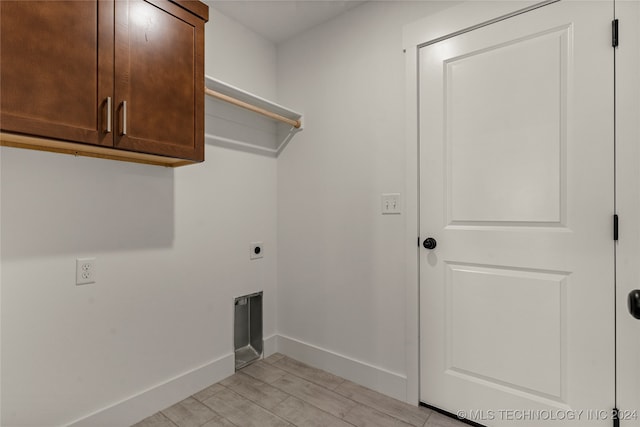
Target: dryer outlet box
(257, 250)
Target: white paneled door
(516, 191)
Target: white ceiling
(280, 20)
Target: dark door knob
(429, 243)
(634, 303)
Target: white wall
(341, 264)
(240, 57)
(172, 251)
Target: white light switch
(390, 203)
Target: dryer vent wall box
(247, 329)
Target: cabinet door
(56, 69)
(159, 72)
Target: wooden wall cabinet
(121, 79)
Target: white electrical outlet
(257, 250)
(85, 271)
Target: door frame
(627, 100)
(453, 21)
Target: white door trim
(462, 17)
(627, 205)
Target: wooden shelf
(229, 125)
(250, 98)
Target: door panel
(476, 348)
(159, 74)
(57, 68)
(523, 183)
(516, 161)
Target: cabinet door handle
(124, 117)
(108, 129)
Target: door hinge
(615, 418)
(614, 33)
(615, 227)
(418, 241)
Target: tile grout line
(319, 409)
(338, 393)
(263, 382)
(428, 418)
(342, 395)
(383, 412)
(168, 419)
(247, 399)
(210, 408)
(356, 403)
(311, 381)
(297, 373)
(177, 425)
(227, 419)
(288, 397)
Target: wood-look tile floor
(280, 391)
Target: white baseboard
(135, 408)
(373, 377)
(270, 345)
